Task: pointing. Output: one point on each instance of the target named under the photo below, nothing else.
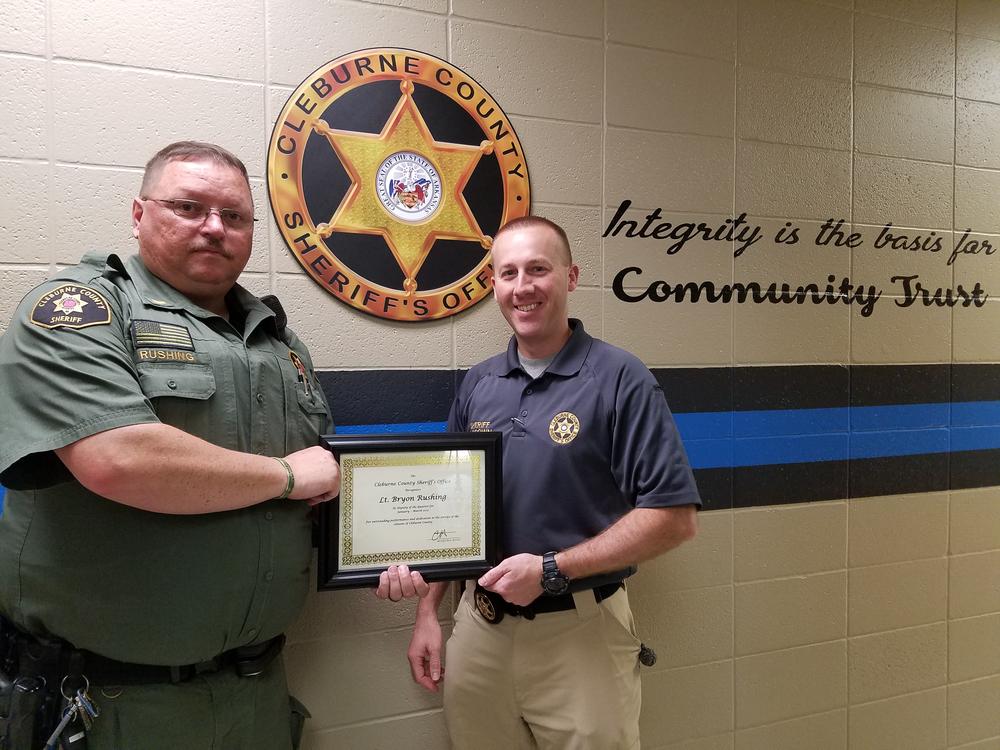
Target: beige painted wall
(861, 624)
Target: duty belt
(248, 661)
(492, 606)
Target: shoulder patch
(71, 306)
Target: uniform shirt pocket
(310, 421)
(177, 381)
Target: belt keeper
(290, 483)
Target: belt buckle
(254, 666)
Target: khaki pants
(218, 711)
(566, 680)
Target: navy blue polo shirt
(583, 444)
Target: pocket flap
(178, 381)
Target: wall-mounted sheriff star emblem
(406, 186)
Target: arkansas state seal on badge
(564, 427)
(71, 306)
(389, 171)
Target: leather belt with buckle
(493, 607)
(246, 661)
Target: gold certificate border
(436, 458)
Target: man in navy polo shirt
(544, 651)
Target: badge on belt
(490, 613)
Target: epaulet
(93, 266)
(280, 318)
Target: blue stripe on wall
(792, 436)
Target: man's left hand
(399, 582)
(517, 579)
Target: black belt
(248, 661)
(492, 606)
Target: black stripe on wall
(975, 469)
(898, 475)
(399, 396)
(378, 396)
(799, 387)
(701, 389)
(873, 385)
(389, 396)
(975, 383)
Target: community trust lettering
(906, 289)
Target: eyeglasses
(195, 211)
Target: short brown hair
(190, 151)
(525, 222)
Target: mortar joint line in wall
(905, 21)
(668, 51)
(735, 177)
(449, 28)
(797, 145)
(604, 152)
(8, 54)
(954, 163)
(49, 125)
(271, 249)
(173, 73)
(974, 168)
(903, 90)
(954, 214)
(555, 120)
(909, 159)
(655, 131)
(24, 160)
(533, 29)
(732, 361)
(850, 338)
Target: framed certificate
(428, 500)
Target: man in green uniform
(159, 441)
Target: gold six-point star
(363, 211)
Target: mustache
(210, 245)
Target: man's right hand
(425, 652)
(317, 475)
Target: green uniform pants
(217, 711)
(562, 681)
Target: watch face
(555, 585)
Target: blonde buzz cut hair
(526, 222)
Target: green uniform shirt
(107, 344)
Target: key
(83, 715)
(68, 715)
(88, 709)
(76, 733)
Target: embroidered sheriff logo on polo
(389, 171)
(564, 427)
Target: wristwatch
(554, 581)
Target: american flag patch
(152, 334)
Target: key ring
(62, 686)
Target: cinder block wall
(841, 594)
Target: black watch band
(554, 581)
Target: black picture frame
(330, 576)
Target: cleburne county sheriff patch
(389, 171)
(71, 306)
